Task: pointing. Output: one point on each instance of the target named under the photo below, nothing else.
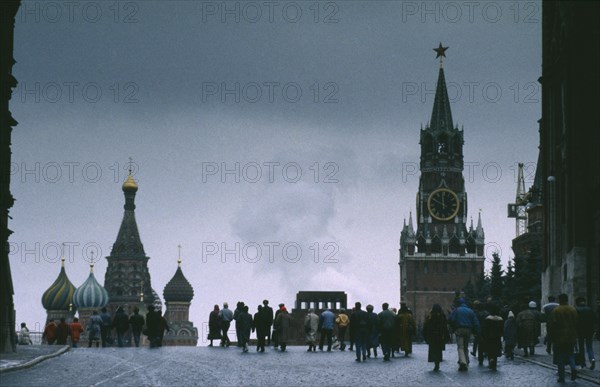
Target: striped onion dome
(60, 294)
(90, 294)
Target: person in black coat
(268, 318)
(62, 332)
(236, 315)
(106, 328)
(121, 324)
(244, 323)
(435, 332)
(214, 325)
(491, 335)
(262, 327)
(586, 321)
(137, 324)
(361, 328)
(153, 326)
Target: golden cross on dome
(130, 163)
(62, 255)
(441, 52)
(178, 255)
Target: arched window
(442, 144)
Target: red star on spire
(441, 51)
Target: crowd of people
(496, 330)
(101, 326)
(367, 331)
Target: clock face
(443, 204)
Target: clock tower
(442, 254)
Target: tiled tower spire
(127, 273)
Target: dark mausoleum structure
(320, 301)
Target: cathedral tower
(127, 277)
(178, 295)
(442, 254)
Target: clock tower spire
(442, 255)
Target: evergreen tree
(496, 280)
(527, 278)
(508, 291)
(482, 287)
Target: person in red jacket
(50, 332)
(76, 329)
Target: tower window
(425, 268)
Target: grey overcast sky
(314, 107)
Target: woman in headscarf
(510, 336)
(214, 325)
(406, 328)
(435, 332)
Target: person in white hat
(528, 329)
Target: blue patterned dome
(60, 294)
(90, 294)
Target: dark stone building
(442, 254)
(8, 11)
(569, 156)
(528, 245)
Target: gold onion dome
(59, 295)
(130, 184)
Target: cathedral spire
(411, 230)
(441, 116)
(479, 228)
(128, 240)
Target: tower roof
(90, 294)
(128, 243)
(441, 116)
(178, 288)
(60, 294)
(130, 184)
